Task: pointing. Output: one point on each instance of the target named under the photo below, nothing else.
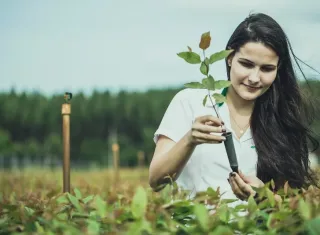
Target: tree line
(31, 125)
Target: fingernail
(223, 138)
(224, 130)
(228, 180)
(233, 174)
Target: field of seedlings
(32, 202)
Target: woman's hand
(203, 128)
(241, 185)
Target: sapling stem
(214, 107)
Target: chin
(249, 96)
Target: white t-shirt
(208, 166)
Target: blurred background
(119, 60)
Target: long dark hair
(280, 120)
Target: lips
(251, 87)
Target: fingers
(203, 130)
(239, 187)
(198, 134)
(236, 190)
(206, 138)
(207, 128)
(209, 118)
(251, 180)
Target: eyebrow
(249, 61)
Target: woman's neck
(240, 106)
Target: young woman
(264, 111)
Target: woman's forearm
(170, 164)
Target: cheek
(268, 79)
(238, 73)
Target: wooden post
(140, 159)
(140, 164)
(66, 111)
(115, 151)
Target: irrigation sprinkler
(66, 111)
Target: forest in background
(31, 126)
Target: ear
(230, 60)
(230, 57)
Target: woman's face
(253, 70)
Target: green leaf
(214, 194)
(87, 199)
(177, 204)
(313, 226)
(101, 206)
(219, 98)
(39, 228)
(207, 61)
(190, 57)
(221, 84)
(223, 213)
(209, 83)
(204, 69)
(202, 216)
(222, 230)
(227, 201)
(140, 227)
(194, 85)
(75, 202)
(77, 193)
(62, 199)
(241, 222)
(93, 227)
(30, 211)
(205, 100)
(139, 203)
(272, 184)
(305, 209)
(252, 205)
(219, 56)
(270, 197)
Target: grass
(46, 181)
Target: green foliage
(139, 203)
(31, 126)
(190, 57)
(209, 82)
(136, 209)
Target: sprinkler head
(67, 97)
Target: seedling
(211, 84)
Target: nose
(254, 77)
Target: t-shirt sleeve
(178, 118)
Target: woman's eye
(267, 69)
(264, 69)
(246, 64)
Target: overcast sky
(53, 46)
